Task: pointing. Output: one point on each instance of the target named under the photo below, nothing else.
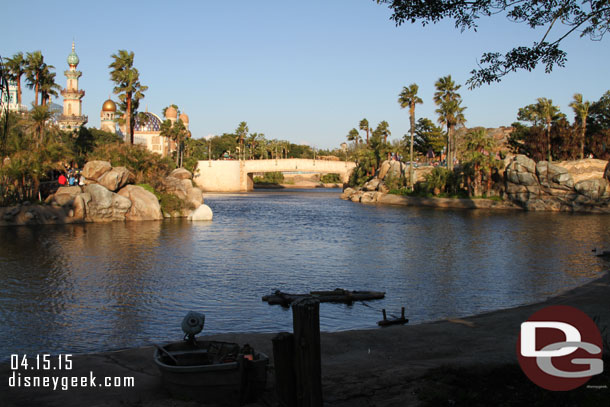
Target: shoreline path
(359, 368)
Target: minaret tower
(72, 117)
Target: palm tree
(450, 112)
(581, 111)
(354, 136)
(39, 116)
(408, 98)
(240, 135)
(364, 125)
(17, 68)
(384, 130)
(128, 86)
(34, 68)
(479, 156)
(547, 111)
(48, 87)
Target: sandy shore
(375, 367)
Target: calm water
(82, 288)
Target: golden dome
(184, 117)
(109, 106)
(171, 113)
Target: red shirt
(62, 180)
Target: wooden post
(308, 362)
(283, 359)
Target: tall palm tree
(240, 135)
(581, 111)
(548, 112)
(34, 68)
(364, 125)
(17, 67)
(354, 136)
(128, 86)
(408, 98)
(450, 112)
(48, 87)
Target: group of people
(71, 177)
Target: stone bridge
(237, 176)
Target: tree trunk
(128, 120)
(36, 90)
(19, 90)
(412, 119)
(367, 136)
(548, 140)
(582, 140)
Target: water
(85, 288)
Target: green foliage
(147, 166)
(330, 178)
(270, 178)
(588, 18)
(429, 136)
(170, 203)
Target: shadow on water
(79, 288)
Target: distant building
(72, 117)
(10, 99)
(107, 117)
(147, 131)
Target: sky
(303, 71)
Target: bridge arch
(237, 176)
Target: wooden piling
(308, 363)
(283, 359)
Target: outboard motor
(192, 324)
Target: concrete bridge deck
(237, 176)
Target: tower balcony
(72, 74)
(73, 93)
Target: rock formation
(109, 196)
(575, 186)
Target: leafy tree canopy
(557, 19)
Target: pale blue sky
(301, 71)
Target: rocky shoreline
(569, 186)
(108, 194)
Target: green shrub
(330, 178)
(171, 203)
(270, 178)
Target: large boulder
(65, 195)
(144, 204)
(202, 213)
(105, 206)
(95, 169)
(181, 173)
(116, 178)
(593, 188)
(607, 172)
(176, 187)
(194, 198)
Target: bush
(270, 178)
(330, 178)
(171, 203)
(148, 167)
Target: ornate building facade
(9, 99)
(72, 117)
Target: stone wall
(574, 186)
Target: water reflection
(89, 287)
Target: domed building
(147, 129)
(107, 116)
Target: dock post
(308, 361)
(283, 360)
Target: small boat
(337, 295)
(211, 371)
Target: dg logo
(560, 348)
